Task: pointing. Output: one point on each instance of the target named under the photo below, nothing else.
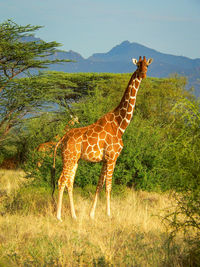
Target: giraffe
(100, 141)
(49, 146)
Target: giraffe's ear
(149, 61)
(134, 61)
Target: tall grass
(30, 235)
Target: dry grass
(11, 180)
(30, 235)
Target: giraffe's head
(74, 119)
(142, 65)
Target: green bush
(161, 145)
(29, 199)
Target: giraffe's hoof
(92, 216)
(59, 219)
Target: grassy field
(135, 235)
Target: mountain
(118, 60)
(164, 64)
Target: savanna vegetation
(156, 183)
(30, 235)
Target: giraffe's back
(95, 142)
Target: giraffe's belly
(92, 154)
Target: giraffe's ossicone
(100, 141)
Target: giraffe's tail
(53, 174)
(53, 170)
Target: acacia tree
(20, 54)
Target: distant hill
(118, 60)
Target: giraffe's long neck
(124, 111)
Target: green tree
(19, 54)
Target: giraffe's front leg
(109, 173)
(99, 187)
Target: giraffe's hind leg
(69, 185)
(61, 187)
(67, 179)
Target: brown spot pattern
(101, 141)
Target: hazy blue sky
(89, 26)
